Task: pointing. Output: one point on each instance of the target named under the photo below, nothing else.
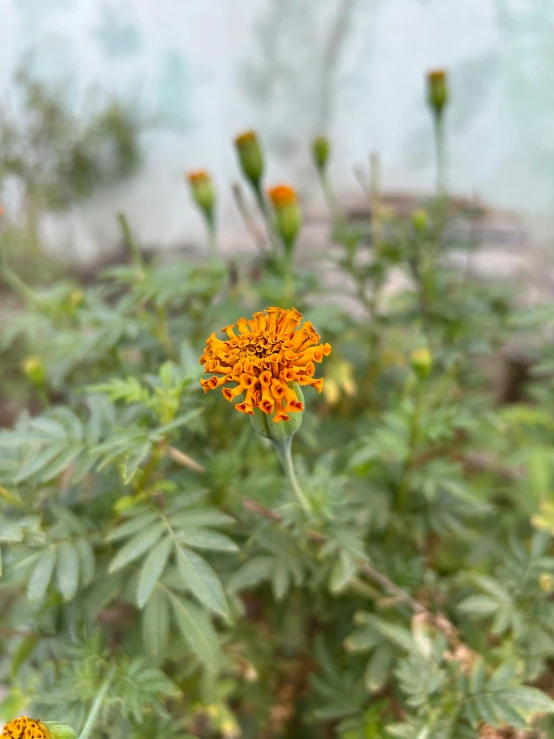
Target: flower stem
(441, 155)
(284, 452)
(96, 706)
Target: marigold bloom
(25, 728)
(270, 352)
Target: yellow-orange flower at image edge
(270, 352)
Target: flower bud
(31, 728)
(321, 149)
(437, 90)
(203, 192)
(421, 362)
(34, 369)
(287, 213)
(420, 220)
(250, 156)
(264, 425)
(546, 582)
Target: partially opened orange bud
(287, 213)
(203, 191)
(250, 156)
(437, 90)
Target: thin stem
(248, 219)
(375, 200)
(262, 205)
(130, 239)
(404, 486)
(96, 706)
(284, 452)
(212, 236)
(441, 155)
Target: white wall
(191, 66)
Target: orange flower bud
(287, 213)
(250, 156)
(437, 90)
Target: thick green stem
(96, 706)
(284, 452)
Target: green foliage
(158, 575)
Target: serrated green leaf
(197, 631)
(482, 605)
(134, 460)
(87, 564)
(202, 581)
(155, 625)
(136, 523)
(67, 570)
(206, 539)
(137, 546)
(42, 574)
(251, 573)
(152, 570)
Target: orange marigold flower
(281, 196)
(270, 352)
(197, 176)
(25, 728)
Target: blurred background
(106, 103)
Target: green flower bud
(421, 362)
(420, 219)
(321, 149)
(250, 156)
(437, 90)
(34, 369)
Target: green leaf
(152, 570)
(67, 570)
(86, 561)
(155, 625)
(378, 668)
(134, 460)
(202, 581)
(136, 546)
(197, 631)
(252, 572)
(132, 525)
(482, 605)
(42, 574)
(24, 650)
(206, 539)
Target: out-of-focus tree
(58, 157)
